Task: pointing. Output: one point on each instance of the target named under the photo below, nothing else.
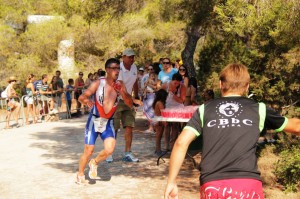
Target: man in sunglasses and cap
(125, 114)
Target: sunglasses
(150, 68)
(115, 68)
(80, 74)
(182, 69)
(13, 81)
(166, 62)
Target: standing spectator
(184, 74)
(87, 83)
(100, 121)
(55, 89)
(148, 69)
(177, 65)
(69, 91)
(124, 113)
(89, 80)
(96, 75)
(148, 100)
(79, 86)
(140, 76)
(150, 88)
(30, 99)
(176, 97)
(167, 72)
(12, 103)
(159, 104)
(59, 87)
(230, 126)
(191, 92)
(46, 94)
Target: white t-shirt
(128, 77)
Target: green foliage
(254, 34)
(288, 168)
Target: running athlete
(106, 93)
(230, 126)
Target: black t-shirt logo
(230, 109)
(229, 116)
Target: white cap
(128, 52)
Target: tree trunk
(193, 35)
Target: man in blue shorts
(106, 93)
(231, 126)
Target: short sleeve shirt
(166, 77)
(128, 77)
(230, 132)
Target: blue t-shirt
(166, 77)
(69, 93)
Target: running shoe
(81, 180)
(149, 131)
(109, 159)
(93, 169)
(129, 157)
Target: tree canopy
(262, 34)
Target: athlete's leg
(88, 151)
(109, 147)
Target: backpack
(36, 83)
(4, 93)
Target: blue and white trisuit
(99, 122)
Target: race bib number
(100, 124)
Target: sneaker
(93, 169)
(149, 132)
(109, 159)
(81, 180)
(129, 157)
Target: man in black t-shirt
(231, 126)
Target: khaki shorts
(124, 114)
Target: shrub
(288, 168)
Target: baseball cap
(141, 69)
(128, 52)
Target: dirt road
(41, 160)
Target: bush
(288, 168)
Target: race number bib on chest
(100, 124)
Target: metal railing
(64, 111)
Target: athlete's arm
(84, 97)
(125, 95)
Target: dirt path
(41, 160)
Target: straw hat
(12, 78)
